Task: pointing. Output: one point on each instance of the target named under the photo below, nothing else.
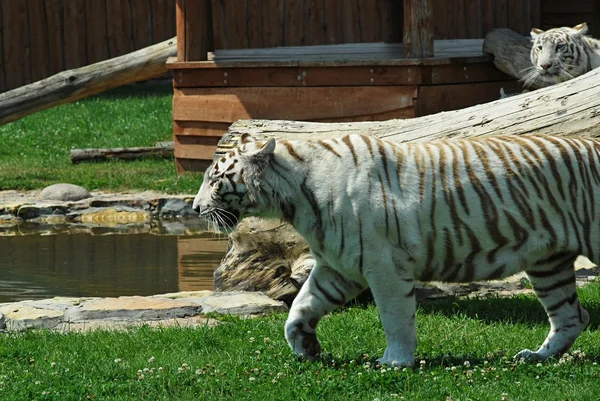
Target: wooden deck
(330, 83)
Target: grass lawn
(465, 353)
(35, 151)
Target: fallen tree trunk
(71, 85)
(570, 108)
(103, 154)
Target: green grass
(465, 353)
(35, 151)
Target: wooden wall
(557, 13)
(42, 37)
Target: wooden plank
(437, 98)
(443, 13)
(272, 23)
(141, 20)
(97, 44)
(218, 23)
(392, 21)
(332, 21)
(350, 29)
(199, 128)
(195, 147)
(253, 23)
(17, 60)
(418, 28)
(231, 104)
(296, 76)
(516, 17)
(487, 15)
(118, 28)
(535, 9)
(293, 32)
(192, 165)
(181, 39)
(457, 73)
(75, 41)
(473, 20)
(38, 35)
(3, 86)
(369, 12)
(235, 24)
(500, 12)
(314, 23)
(197, 30)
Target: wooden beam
(180, 18)
(418, 28)
(71, 85)
(104, 154)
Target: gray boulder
(64, 192)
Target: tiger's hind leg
(554, 283)
(324, 291)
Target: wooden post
(180, 19)
(194, 30)
(418, 28)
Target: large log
(570, 108)
(71, 85)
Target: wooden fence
(39, 38)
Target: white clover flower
(467, 364)
(251, 379)
(118, 360)
(267, 340)
(152, 359)
(251, 339)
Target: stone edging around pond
(179, 309)
(148, 211)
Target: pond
(82, 264)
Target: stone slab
(133, 308)
(240, 303)
(20, 316)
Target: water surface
(44, 266)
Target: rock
(112, 216)
(19, 316)
(240, 303)
(176, 208)
(64, 192)
(265, 256)
(133, 308)
(30, 212)
(2, 321)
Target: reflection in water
(34, 266)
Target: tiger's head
(230, 189)
(557, 55)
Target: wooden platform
(352, 82)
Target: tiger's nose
(546, 66)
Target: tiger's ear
(535, 32)
(581, 29)
(265, 150)
(245, 138)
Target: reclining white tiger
(560, 54)
(382, 215)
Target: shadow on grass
(518, 309)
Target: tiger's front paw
(303, 340)
(529, 356)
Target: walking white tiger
(383, 215)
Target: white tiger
(560, 54)
(382, 215)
